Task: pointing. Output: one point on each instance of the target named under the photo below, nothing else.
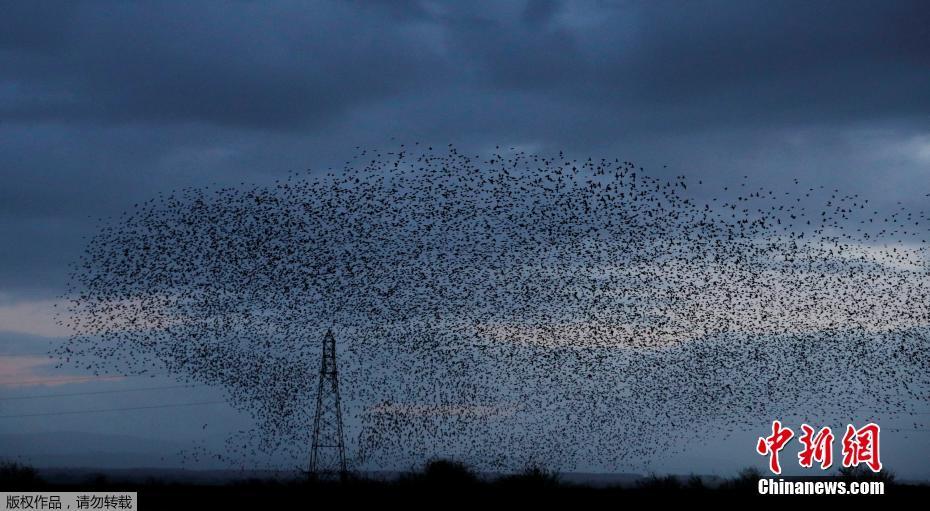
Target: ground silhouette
(438, 482)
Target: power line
(75, 378)
(75, 412)
(60, 380)
(112, 391)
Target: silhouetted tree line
(440, 481)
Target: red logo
(817, 447)
(860, 446)
(771, 445)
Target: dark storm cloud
(292, 65)
(106, 103)
(713, 62)
(260, 65)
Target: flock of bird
(514, 309)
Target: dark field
(437, 482)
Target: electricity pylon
(328, 452)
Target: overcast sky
(103, 104)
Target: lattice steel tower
(328, 452)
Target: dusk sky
(106, 104)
